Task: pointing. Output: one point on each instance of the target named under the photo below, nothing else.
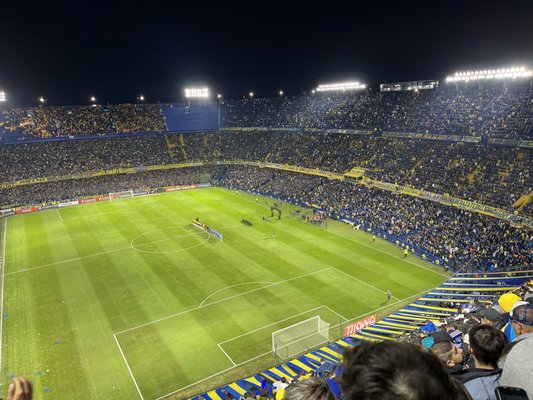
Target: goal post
(300, 337)
(120, 195)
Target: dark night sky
(67, 51)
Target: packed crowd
(59, 158)
(451, 234)
(52, 192)
(62, 121)
(490, 111)
(492, 175)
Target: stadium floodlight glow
(42, 100)
(340, 87)
(202, 93)
(281, 92)
(488, 74)
(251, 94)
(93, 99)
(2, 96)
(141, 97)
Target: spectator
(486, 346)
(309, 389)
(450, 355)
(399, 371)
(518, 364)
(20, 389)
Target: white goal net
(300, 337)
(120, 195)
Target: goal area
(120, 195)
(300, 337)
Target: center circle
(171, 239)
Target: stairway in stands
(176, 147)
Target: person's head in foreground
(313, 388)
(396, 370)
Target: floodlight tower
(220, 98)
(3, 98)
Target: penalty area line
(128, 366)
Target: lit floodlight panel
(2, 96)
(202, 93)
(340, 87)
(488, 74)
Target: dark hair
(396, 371)
(487, 344)
(309, 389)
(443, 350)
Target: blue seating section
(461, 288)
(194, 117)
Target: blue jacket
(481, 383)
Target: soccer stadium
(266, 200)
(222, 249)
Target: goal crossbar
(299, 337)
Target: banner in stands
(49, 206)
(432, 136)
(92, 199)
(358, 325)
(349, 131)
(68, 203)
(26, 210)
(452, 201)
(511, 142)
(185, 187)
(22, 182)
(6, 213)
(308, 171)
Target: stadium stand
(460, 310)
(191, 117)
(333, 154)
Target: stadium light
(219, 96)
(488, 74)
(202, 93)
(2, 96)
(281, 92)
(93, 99)
(42, 100)
(341, 87)
(251, 94)
(140, 97)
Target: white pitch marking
(227, 355)
(361, 243)
(128, 366)
(58, 213)
(228, 287)
(221, 300)
(2, 265)
(364, 283)
(269, 352)
(274, 323)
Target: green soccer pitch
(126, 299)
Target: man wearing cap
(506, 303)
(490, 316)
(518, 364)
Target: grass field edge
(3, 229)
